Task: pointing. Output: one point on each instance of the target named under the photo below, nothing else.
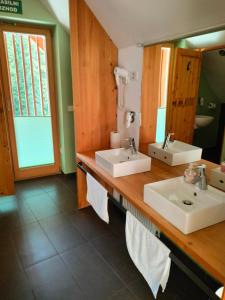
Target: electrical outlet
(70, 108)
(134, 75)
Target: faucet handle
(171, 134)
(202, 167)
(127, 142)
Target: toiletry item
(190, 173)
(114, 139)
(222, 167)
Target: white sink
(183, 205)
(202, 120)
(177, 153)
(120, 162)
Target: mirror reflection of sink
(120, 162)
(202, 120)
(183, 205)
(177, 153)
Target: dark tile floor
(50, 250)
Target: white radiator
(137, 214)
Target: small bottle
(190, 173)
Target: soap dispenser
(190, 173)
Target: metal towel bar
(115, 202)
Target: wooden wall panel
(93, 57)
(6, 170)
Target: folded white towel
(97, 197)
(148, 253)
(219, 292)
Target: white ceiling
(60, 9)
(129, 22)
(147, 21)
(207, 40)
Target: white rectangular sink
(184, 206)
(177, 153)
(120, 162)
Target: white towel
(219, 292)
(148, 253)
(97, 197)
(138, 215)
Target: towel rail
(173, 257)
(118, 204)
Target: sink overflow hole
(187, 202)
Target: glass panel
(34, 141)
(161, 125)
(163, 91)
(27, 67)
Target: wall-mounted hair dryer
(121, 73)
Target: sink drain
(187, 202)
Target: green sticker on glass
(11, 6)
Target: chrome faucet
(167, 140)
(132, 146)
(201, 179)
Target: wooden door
(182, 106)
(27, 58)
(6, 170)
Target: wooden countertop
(206, 246)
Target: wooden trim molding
(6, 169)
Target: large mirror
(183, 91)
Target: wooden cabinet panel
(182, 107)
(6, 170)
